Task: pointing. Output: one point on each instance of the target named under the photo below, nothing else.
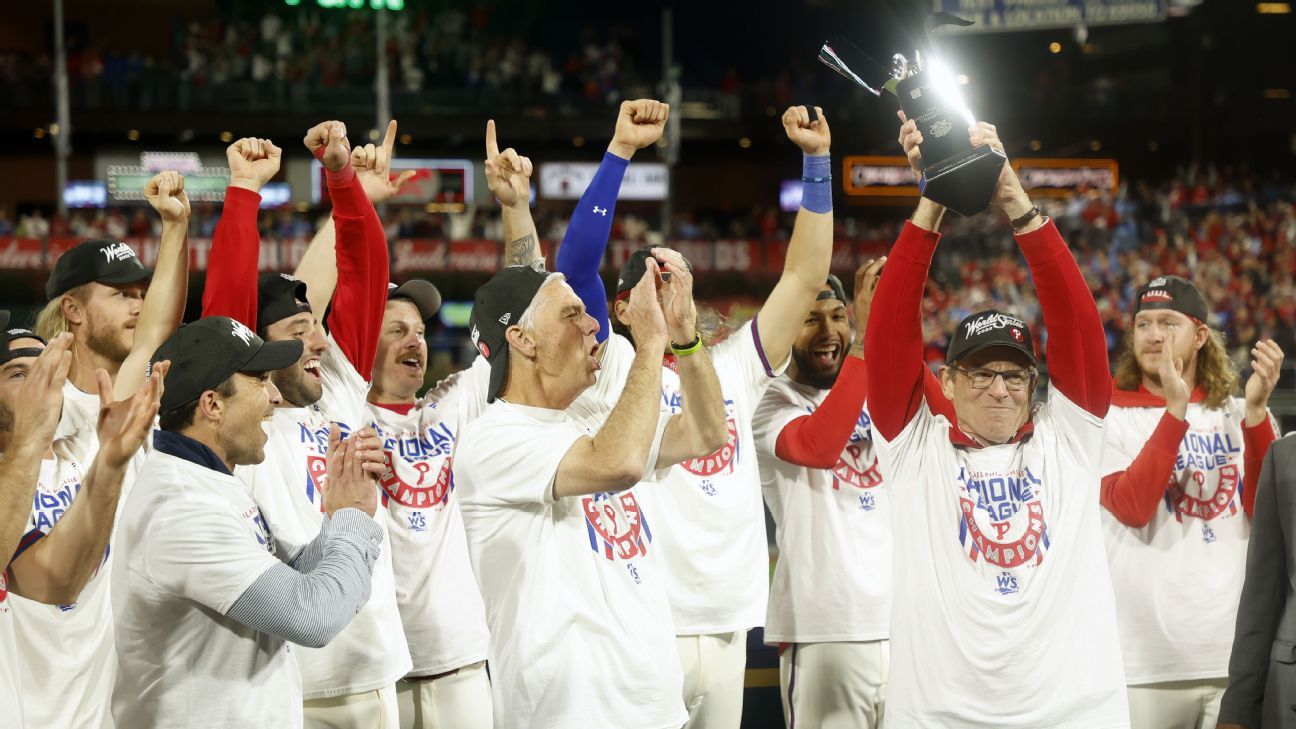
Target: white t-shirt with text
(190, 542)
(1178, 579)
(440, 605)
(371, 651)
(832, 581)
(1003, 610)
(581, 632)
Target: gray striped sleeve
(310, 607)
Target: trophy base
(965, 183)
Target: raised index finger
(389, 141)
(492, 147)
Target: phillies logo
(1010, 506)
(616, 534)
(852, 469)
(1016, 334)
(721, 460)
(316, 475)
(424, 493)
(1207, 508)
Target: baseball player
(351, 681)
(713, 540)
(1180, 469)
(66, 649)
(830, 599)
(440, 604)
(1003, 615)
(207, 597)
(558, 531)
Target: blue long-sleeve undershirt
(581, 254)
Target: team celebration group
(254, 520)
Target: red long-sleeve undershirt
(1132, 495)
(1077, 345)
(893, 338)
(355, 316)
(231, 288)
(816, 440)
(1076, 351)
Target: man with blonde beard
(1181, 464)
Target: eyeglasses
(982, 377)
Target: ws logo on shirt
(1201, 457)
(616, 533)
(1002, 518)
(853, 465)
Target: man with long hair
(1180, 469)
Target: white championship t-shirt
(371, 651)
(66, 652)
(10, 688)
(581, 632)
(1004, 616)
(832, 581)
(190, 542)
(440, 605)
(715, 552)
(1178, 579)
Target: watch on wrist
(1021, 222)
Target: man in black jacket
(1262, 669)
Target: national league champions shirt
(440, 605)
(1178, 579)
(715, 555)
(1001, 582)
(832, 582)
(371, 651)
(581, 632)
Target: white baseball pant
(461, 700)
(715, 667)
(835, 685)
(369, 710)
(1176, 704)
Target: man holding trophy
(1003, 614)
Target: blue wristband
(816, 183)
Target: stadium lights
(1273, 8)
(578, 141)
(1095, 145)
(354, 4)
(54, 129)
(1277, 93)
(745, 142)
(133, 135)
(406, 139)
(39, 133)
(1055, 47)
(1035, 145)
(226, 137)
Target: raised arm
(30, 436)
(816, 440)
(639, 124)
(1264, 595)
(701, 427)
(809, 253)
(56, 567)
(508, 175)
(616, 458)
(231, 288)
(1077, 344)
(164, 304)
(361, 244)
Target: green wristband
(691, 348)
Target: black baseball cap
(206, 352)
(104, 261)
(422, 294)
(499, 304)
(634, 268)
(9, 335)
(1173, 293)
(838, 291)
(990, 328)
(279, 296)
